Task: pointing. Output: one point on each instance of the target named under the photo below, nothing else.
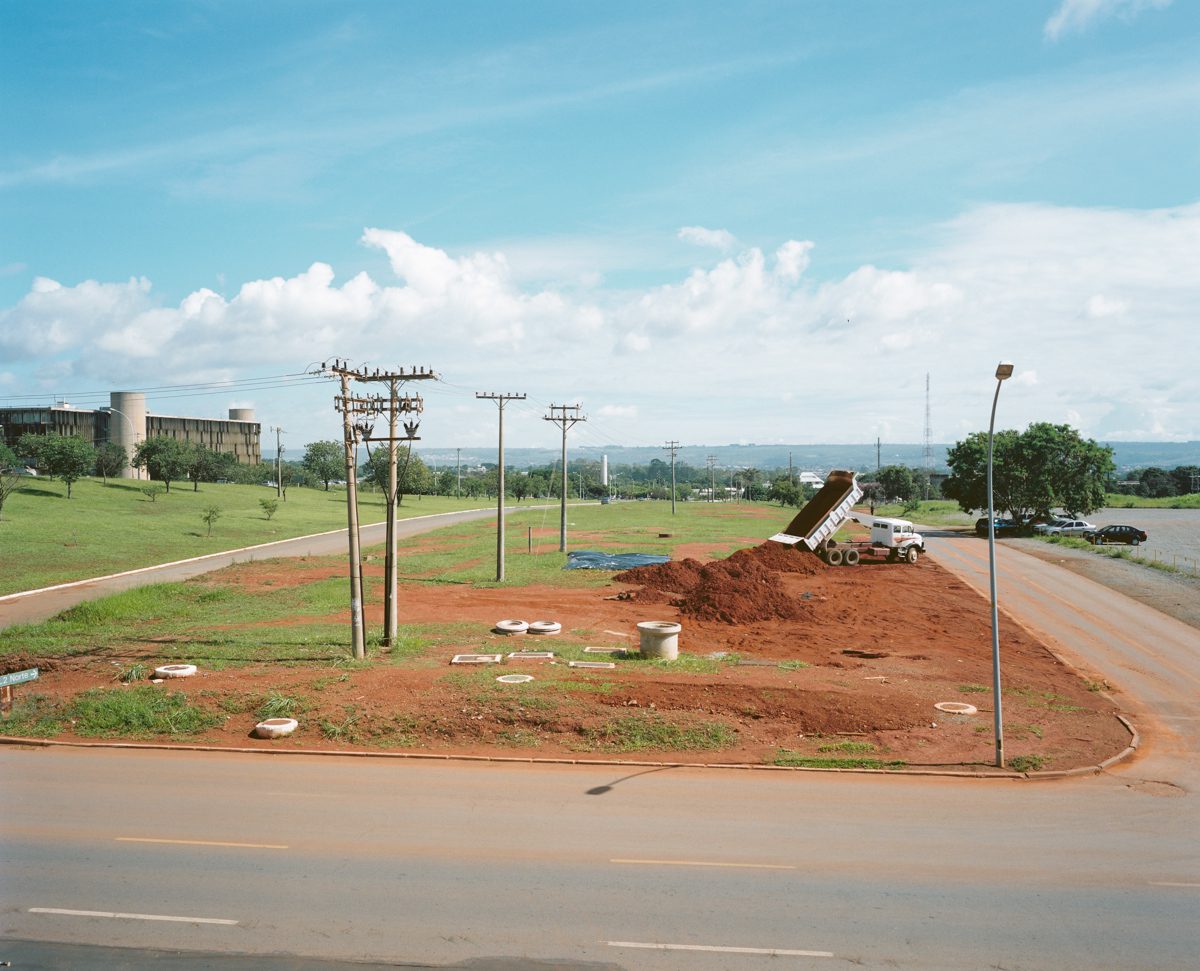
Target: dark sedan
(1129, 535)
(1003, 527)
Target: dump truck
(813, 528)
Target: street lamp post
(137, 471)
(1004, 371)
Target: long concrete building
(127, 422)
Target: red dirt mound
(742, 589)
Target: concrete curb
(983, 773)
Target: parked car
(18, 470)
(1070, 527)
(1043, 528)
(1129, 535)
(1003, 527)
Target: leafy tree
(111, 460)
(210, 515)
(205, 465)
(873, 494)
(1156, 483)
(165, 459)
(412, 474)
(325, 461)
(8, 485)
(1183, 478)
(1034, 471)
(8, 458)
(269, 507)
(785, 492)
(66, 457)
(897, 482)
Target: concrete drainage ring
(545, 627)
(956, 708)
(511, 626)
(276, 727)
(175, 671)
(514, 678)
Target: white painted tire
(545, 627)
(956, 708)
(276, 727)
(175, 671)
(511, 626)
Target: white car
(1043, 529)
(1070, 527)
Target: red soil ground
(830, 662)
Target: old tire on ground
(911, 555)
(175, 671)
(276, 727)
(511, 626)
(544, 627)
(850, 558)
(833, 557)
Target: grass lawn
(221, 624)
(46, 538)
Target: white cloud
(748, 345)
(617, 411)
(1099, 306)
(720, 239)
(1078, 15)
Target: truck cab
(895, 534)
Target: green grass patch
(973, 688)
(35, 716)
(1027, 763)
(109, 528)
(856, 748)
(637, 733)
(789, 757)
(1116, 500)
(140, 712)
(793, 665)
(278, 705)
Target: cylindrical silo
(127, 425)
(241, 414)
(604, 470)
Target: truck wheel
(833, 557)
(911, 555)
(850, 558)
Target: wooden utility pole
(365, 409)
(396, 405)
(501, 400)
(558, 415)
(672, 447)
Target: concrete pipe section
(660, 639)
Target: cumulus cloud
(617, 411)
(720, 239)
(748, 337)
(1074, 16)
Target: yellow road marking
(248, 846)
(755, 866)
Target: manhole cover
(956, 708)
(514, 678)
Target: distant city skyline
(761, 222)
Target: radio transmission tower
(927, 455)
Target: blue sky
(709, 222)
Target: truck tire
(911, 555)
(833, 557)
(850, 558)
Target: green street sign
(18, 677)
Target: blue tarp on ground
(596, 560)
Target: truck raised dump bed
(814, 526)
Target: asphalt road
(498, 865)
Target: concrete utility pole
(558, 415)
(672, 447)
(278, 460)
(457, 473)
(501, 400)
(397, 405)
(712, 478)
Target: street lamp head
(1004, 370)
